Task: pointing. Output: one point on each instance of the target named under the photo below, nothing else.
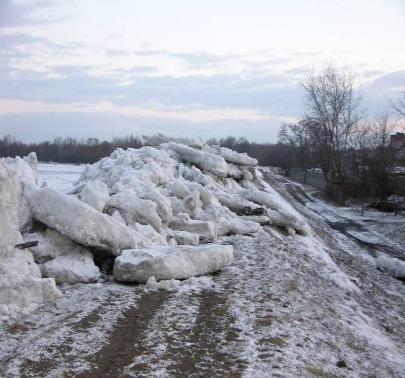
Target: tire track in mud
(44, 367)
(62, 348)
(127, 339)
(202, 352)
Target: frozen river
(60, 177)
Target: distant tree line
(71, 150)
(67, 150)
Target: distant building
(398, 140)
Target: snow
(365, 237)
(184, 237)
(10, 191)
(22, 288)
(24, 169)
(72, 268)
(25, 174)
(239, 205)
(169, 285)
(134, 209)
(21, 285)
(79, 221)
(393, 266)
(325, 264)
(233, 226)
(60, 258)
(158, 139)
(149, 235)
(207, 161)
(205, 229)
(95, 193)
(237, 158)
(51, 244)
(152, 284)
(165, 263)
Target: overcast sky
(199, 68)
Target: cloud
(390, 81)
(269, 93)
(14, 14)
(203, 59)
(379, 93)
(141, 84)
(10, 47)
(116, 52)
(150, 52)
(193, 115)
(151, 86)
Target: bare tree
(375, 158)
(399, 106)
(381, 130)
(296, 136)
(332, 112)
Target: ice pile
(21, 284)
(185, 194)
(160, 210)
(167, 263)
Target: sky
(189, 68)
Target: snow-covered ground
(272, 313)
(382, 233)
(282, 309)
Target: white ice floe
(95, 193)
(51, 244)
(157, 139)
(72, 268)
(169, 285)
(205, 160)
(174, 285)
(26, 174)
(392, 266)
(234, 226)
(184, 237)
(21, 285)
(62, 259)
(205, 229)
(237, 158)
(10, 193)
(24, 169)
(165, 263)
(79, 221)
(134, 209)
